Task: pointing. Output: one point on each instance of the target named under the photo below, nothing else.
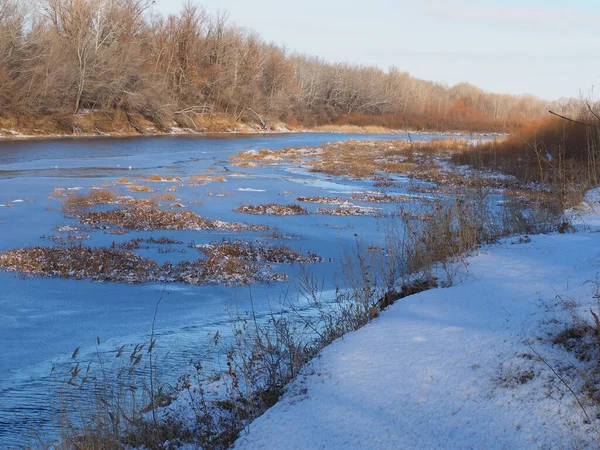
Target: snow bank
(453, 368)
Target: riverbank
(494, 361)
(93, 125)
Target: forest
(77, 65)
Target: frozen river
(43, 320)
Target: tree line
(62, 58)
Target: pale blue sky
(550, 48)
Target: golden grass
(139, 188)
(166, 197)
(160, 178)
(198, 180)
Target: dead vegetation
(139, 188)
(75, 202)
(250, 251)
(197, 180)
(230, 263)
(323, 200)
(148, 219)
(79, 262)
(273, 209)
(382, 197)
(350, 210)
(159, 178)
(374, 160)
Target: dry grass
(323, 200)
(138, 243)
(123, 180)
(138, 218)
(57, 193)
(562, 157)
(139, 188)
(199, 180)
(79, 262)
(76, 201)
(382, 198)
(249, 251)
(350, 210)
(166, 197)
(159, 178)
(422, 160)
(352, 129)
(273, 209)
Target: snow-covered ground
(461, 367)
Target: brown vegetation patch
(197, 180)
(75, 201)
(323, 200)
(139, 188)
(225, 271)
(249, 251)
(166, 197)
(425, 160)
(160, 178)
(137, 218)
(381, 198)
(79, 262)
(56, 193)
(138, 243)
(350, 211)
(273, 209)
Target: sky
(548, 48)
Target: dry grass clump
(381, 198)
(228, 271)
(249, 251)
(560, 156)
(166, 197)
(77, 201)
(196, 180)
(273, 209)
(373, 159)
(148, 219)
(137, 243)
(118, 265)
(79, 262)
(160, 178)
(56, 193)
(123, 180)
(126, 200)
(323, 200)
(351, 210)
(256, 158)
(139, 188)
